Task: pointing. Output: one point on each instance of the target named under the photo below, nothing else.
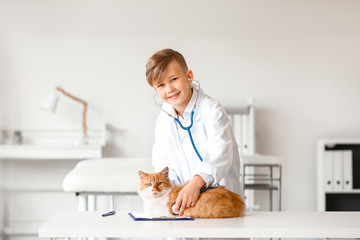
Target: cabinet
(338, 175)
(31, 178)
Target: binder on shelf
(338, 170)
(347, 170)
(338, 162)
(328, 171)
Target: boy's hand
(189, 195)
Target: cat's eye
(159, 183)
(149, 184)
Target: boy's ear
(190, 76)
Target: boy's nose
(170, 88)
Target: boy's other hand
(189, 195)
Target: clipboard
(138, 216)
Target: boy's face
(175, 88)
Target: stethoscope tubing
(189, 132)
(192, 120)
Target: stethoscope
(192, 117)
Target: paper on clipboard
(141, 216)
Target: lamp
(51, 102)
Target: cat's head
(154, 184)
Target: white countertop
(253, 225)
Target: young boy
(168, 74)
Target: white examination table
(105, 176)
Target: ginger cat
(159, 195)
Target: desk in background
(29, 176)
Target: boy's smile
(175, 88)
(173, 96)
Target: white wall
(299, 59)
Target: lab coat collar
(168, 108)
(191, 103)
(197, 114)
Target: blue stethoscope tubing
(189, 132)
(192, 120)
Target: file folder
(328, 170)
(139, 216)
(347, 170)
(338, 170)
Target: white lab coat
(213, 137)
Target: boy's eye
(149, 184)
(174, 79)
(160, 85)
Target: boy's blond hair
(157, 64)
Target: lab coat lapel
(197, 111)
(178, 133)
(174, 126)
(197, 116)
(173, 143)
(178, 153)
(182, 134)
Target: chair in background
(264, 180)
(253, 165)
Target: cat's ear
(142, 174)
(165, 172)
